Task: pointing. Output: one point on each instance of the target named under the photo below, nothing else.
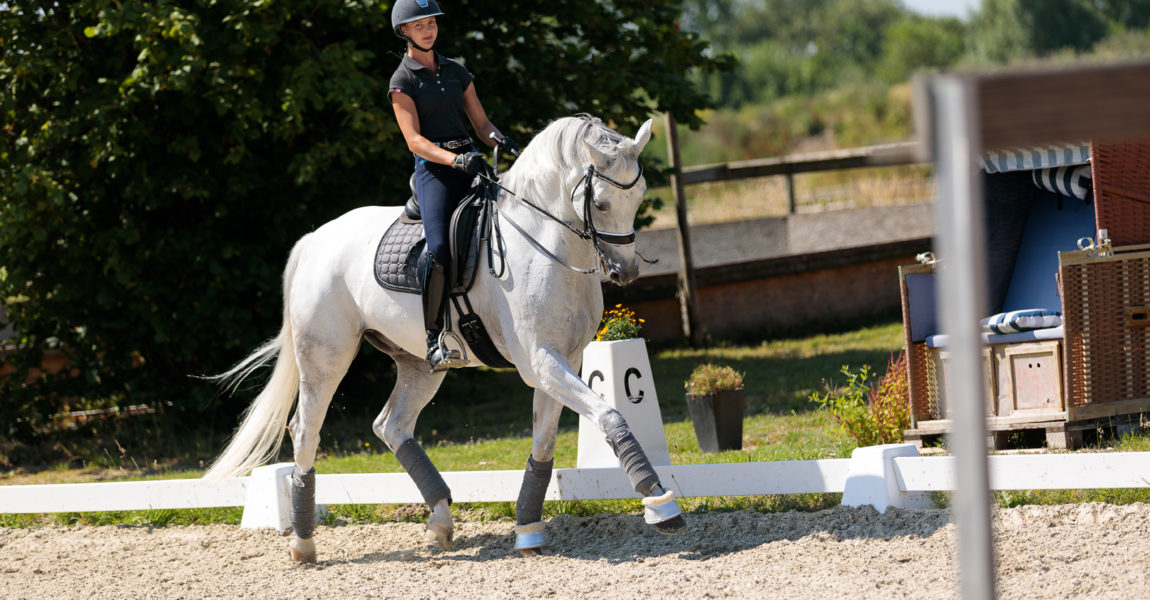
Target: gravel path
(1068, 551)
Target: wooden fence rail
(885, 155)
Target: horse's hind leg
(395, 425)
(530, 538)
(322, 366)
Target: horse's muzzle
(620, 273)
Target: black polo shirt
(438, 96)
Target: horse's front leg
(530, 537)
(556, 377)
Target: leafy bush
(890, 401)
(618, 323)
(709, 378)
(871, 415)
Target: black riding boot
(435, 291)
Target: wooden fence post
(792, 205)
(687, 295)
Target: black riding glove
(471, 163)
(509, 146)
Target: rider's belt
(454, 144)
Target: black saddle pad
(402, 246)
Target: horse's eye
(602, 206)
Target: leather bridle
(589, 232)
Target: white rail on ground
(881, 476)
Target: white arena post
(268, 501)
(873, 479)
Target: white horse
(574, 185)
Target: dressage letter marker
(620, 372)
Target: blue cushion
(1021, 320)
(1033, 283)
(920, 298)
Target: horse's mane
(559, 147)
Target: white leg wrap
(657, 509)
(530, 536)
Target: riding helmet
(406, 11)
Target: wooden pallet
(1054, 432)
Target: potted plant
(716, 400)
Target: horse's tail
(260, 434)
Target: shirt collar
(415, 65)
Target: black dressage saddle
(400, 251)
(403, 247)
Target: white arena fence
(892, 475)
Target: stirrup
(449, 358)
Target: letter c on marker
(627, 385)
(596, 374)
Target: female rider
(430, 95)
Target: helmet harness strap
(400, 33)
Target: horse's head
(590, 181)
(608, 197)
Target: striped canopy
(1062, 168)
(1038, 157)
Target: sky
(947, 8)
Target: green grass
(482, 422)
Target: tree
(915, 43)
(1011, 29)
(788, 47)
(160, 157)
(1130, 14)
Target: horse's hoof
(663, 513)
(440, 527)
(541, 551)
(440, 534)
(303, 551)
(671, 526)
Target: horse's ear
(635, 146)
(642, 137)
(599, 158)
